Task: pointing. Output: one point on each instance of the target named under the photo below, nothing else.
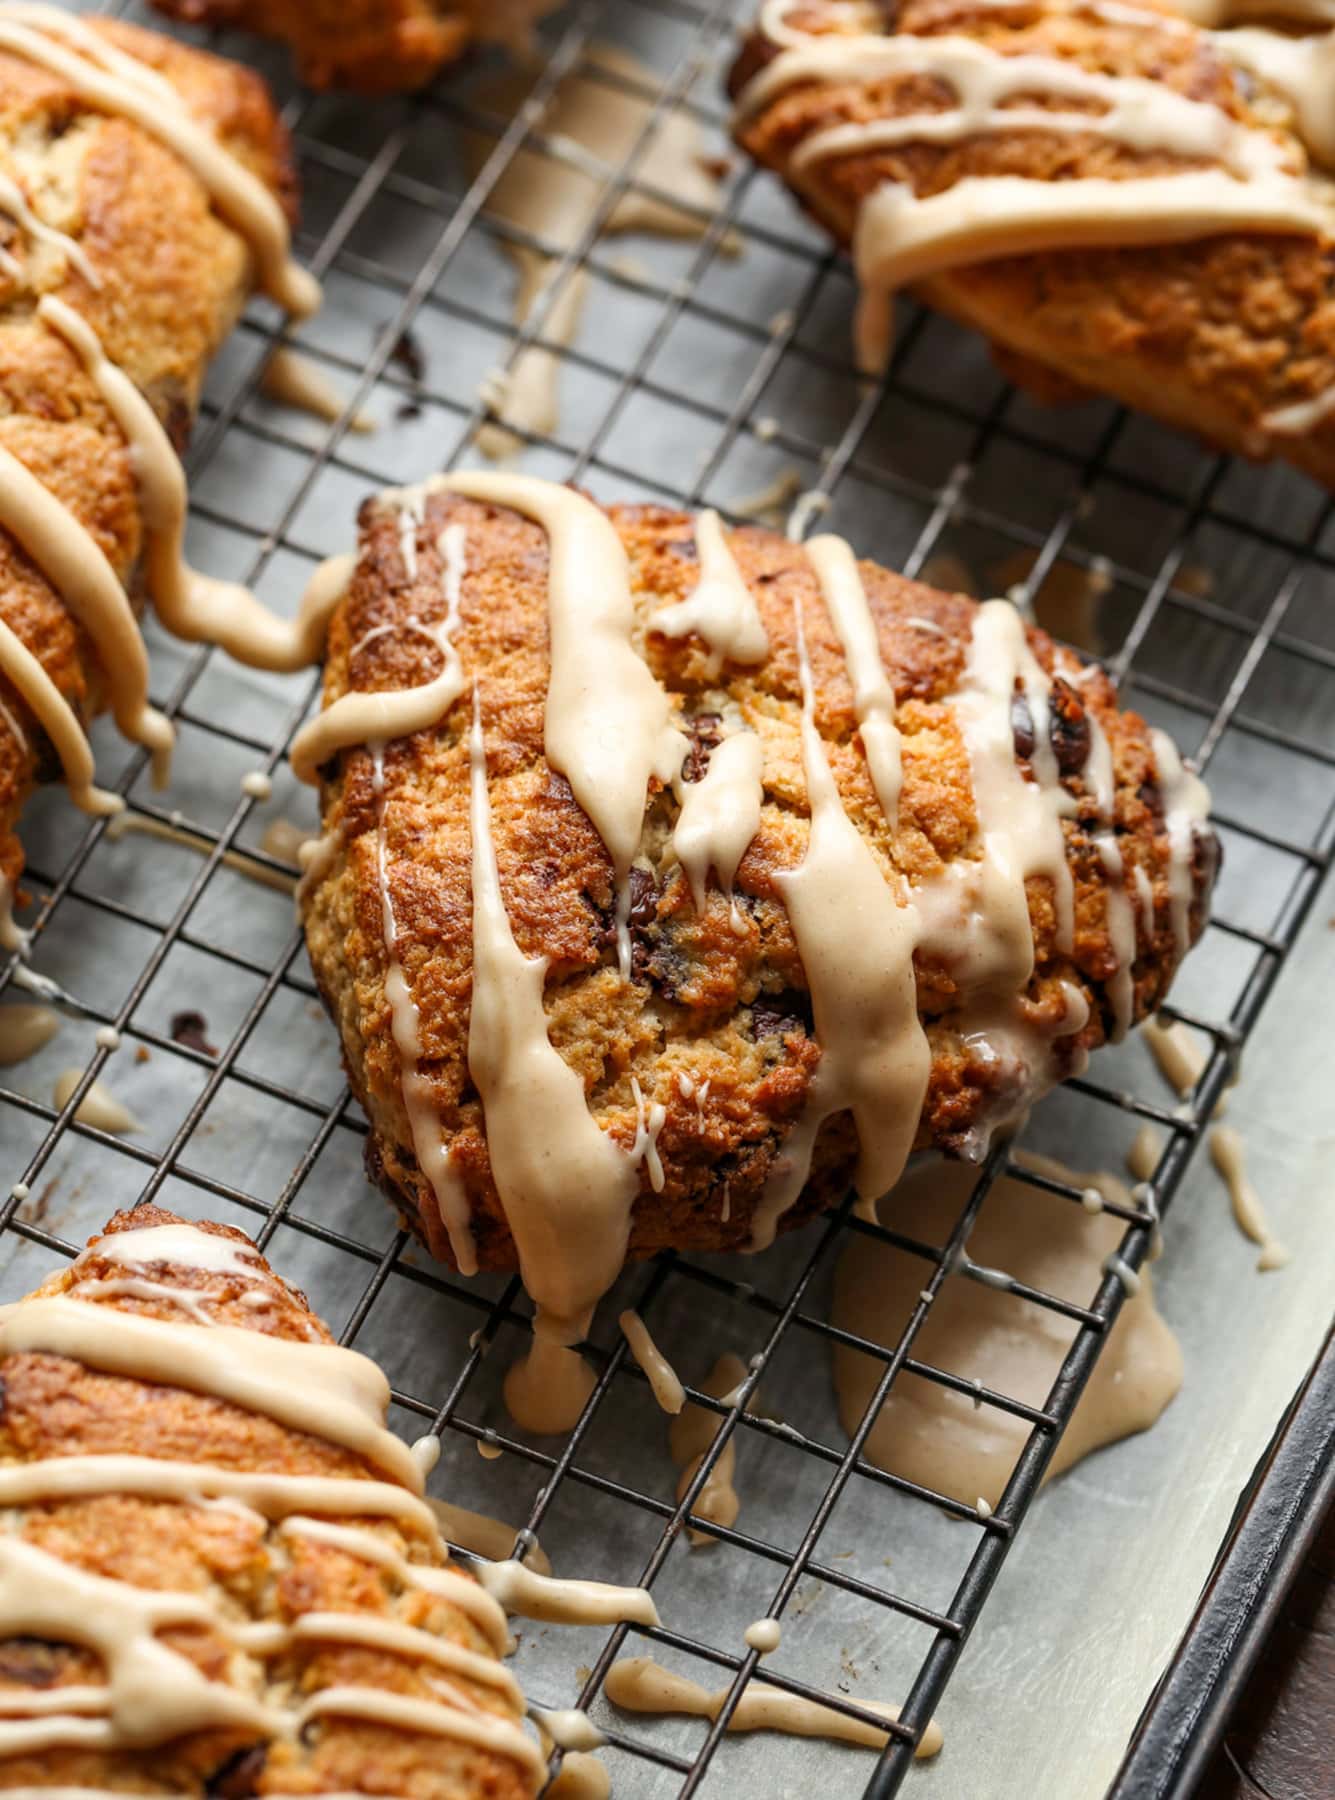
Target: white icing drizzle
(641, 1685)
(552, 1600)
(978, 913)
(14, 202)
(608, 725)
(1228, 1153)
(73, 562)
(151, 1692)
(720, 815)
(662, 1377)
(1300, 68)
(113, 82)
(433, 1156)
(321, 1389)
(1186, 801)
(690, 1436)
(721, 608)
(900, 237)
(568, 1727)
(650, 1118)
(567, 1188)
(856, 942)
(471, 1726)
(873, 697)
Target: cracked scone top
(1122, 202)
(219, 1573)
(715, 870)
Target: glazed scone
(1007, 882)
(122, 248)
(1165, 240)
(371, 46)
(216, 1547)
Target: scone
(145, 190)
(1121, 202)
(603, 986)
(371, 46)
(219, 1575)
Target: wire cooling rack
(699, 374)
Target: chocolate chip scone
(145, 190)
(218, 1574)
(371, 46)
(603, 986)
(1121, 202)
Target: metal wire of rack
(925, 487)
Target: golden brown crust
(173, 278)
(371, 46)
(1208, 336)
(53, 1406)
(705, 1003)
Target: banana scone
(145, 190)
(672, 877)
(371, 46)
(219, 1575)
(1122, 202)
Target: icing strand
(1186, 801)
(322, 1389)
(608, 726)
(721, 608)
(856, 943)
(873, 697)
(566, 1187)
(720, 815)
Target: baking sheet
(1111, 1558)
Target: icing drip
(721, 608)
(24, 1028)
(99, 1107)
(549, 1599)
(856, 943)
(720, 815)
(662, 1377)
(901, 237)
(107, 79)
(73, 562)
(195, 607)
(690, 1436)
(433, 1156)
(608, 725)
(763, 1636)
(1228, 1153)
(57, 719)
(640, 1685)
(979, 912)
(1186, 802)
(1300, 68)
(295, 380)
(566, 1187)
(873, 697)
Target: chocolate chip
(410, 357)
(706, 732)
(643, 899)
(1068, 728)
(779, 1015)
(191, 1029)
(1022, 726)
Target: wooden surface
(1280, 1742)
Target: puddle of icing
(555, 201)
(690, 1435)
(581, 1777)
(24, 1029)
(1228, 1152)
(929, 1434)
(292, 379)
(99, 1106)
